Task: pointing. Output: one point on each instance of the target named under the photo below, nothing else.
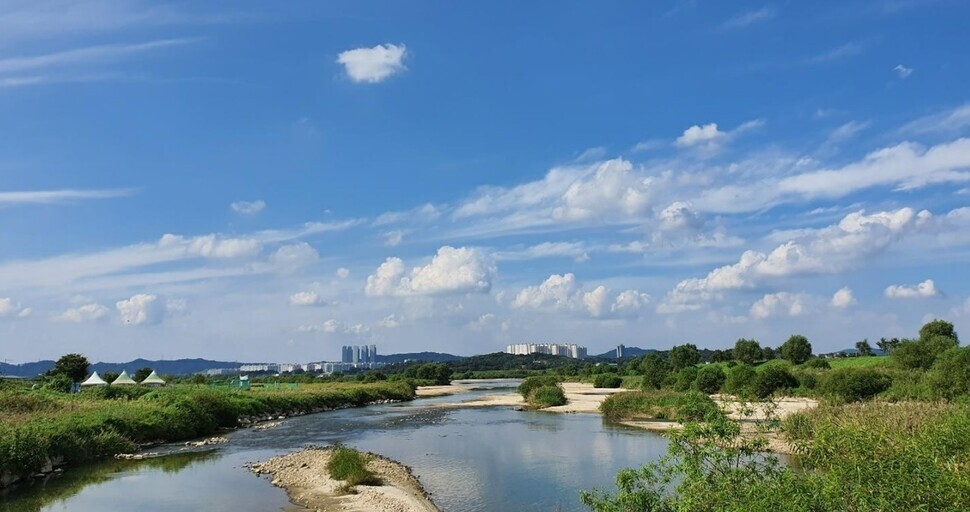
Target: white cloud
(558, 291)
(749, 18)
(212, 246)
(630, 303)
(783, 303)
(109, 52)
(343, 273)
(335, 326)
(140, 309)
(461, 270)
(290, 258)
(698, 134)
(595, 300)
(903, 71)
(248, 207)
(613, 190)
(390, 321)
(373, 65)
(575, 250)
(948, 121)
(564, 293)
(680, 215)
(823, 251)
(850, 49)
(922, 290)
(847, 131)
(843, 298)
(60, 196)
(424, 213)
(393, 238)
(9, 307)
(84, 313)
(24, 313)
(306, 299)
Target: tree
(654, 370)
(683, 356)
(864, 348)
(710, 379)
(747, 351)
(720, 356)
(797, 349)
(922, 353)
(74, 366)
(887, 346)
(109, 376)
(768, 353)
(950, 375)
(142, 374)
(938, 328)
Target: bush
(547, 396)
(710, 379)
(922, 353)
(532, 383)
(817, 363)
(771, 379)
(740, 380)
(854, 384)
(607, 380)
(807, 380)
(661, 405)
(350, 466)
(655, 370)
(949, 377)
(685, 378)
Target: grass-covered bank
(39, 427)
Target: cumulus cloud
(843, 298)
(248, 207)
(452, 270)
(613, 190)
(823, 251)
(140, 309)
(782, 303)
(290, 258)
(212, 246)
(564, 293)
(306, 299)
(698, 134)
(87, 312)
(373, 65)
(922, 290)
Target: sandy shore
(426, 391)
(305, 478)
(581, 398)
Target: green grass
(350, 466)
(660, 404)
(37, 425)
(858, 362)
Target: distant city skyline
(276, 180)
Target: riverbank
(305, 478)
(42, 431)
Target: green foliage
(796, 349)
(936, 328)
(685, 378)
(535, 382)
(710, 379)
(864, 348)
(662, 405)
(74, 366)
(817, 364)
(747, 351)
(607, 380)
(854, 384)
(59, 382)
(654, 370)
(771, 379)
(921, 353)
(949, 377)
(887, 345)
(141, 374)
(740, 380)
(350, 466)
(682, 356)
(547, 396)
(856, 362)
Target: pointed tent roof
(124, 380)
(94, 380)
(153, 378)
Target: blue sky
(269, 182)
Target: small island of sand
(306, 480)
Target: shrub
(655, 370)
(817, 363)
(949, 376)
(532, 383)
(922, 353)
(710, 379)
(771, 379)
(740, 380)
(607, 380)
(685, 378)
(807, 380)
(854, 384)
(661, 405)
(547, 396)
(350, 466)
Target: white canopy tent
(94, 380)
(124, 380)
(153, 380)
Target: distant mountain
(429, 357)
(174, 367)
(627, 352)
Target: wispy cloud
(850, 49)
(90, 54)
(60, 196)
(748, 18)
(903, 71)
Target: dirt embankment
(306, 480)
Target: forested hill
(627, 352)
(173, 367)
(427, 357)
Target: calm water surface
(475, 460)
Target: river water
(491, 459)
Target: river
(491, 459)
